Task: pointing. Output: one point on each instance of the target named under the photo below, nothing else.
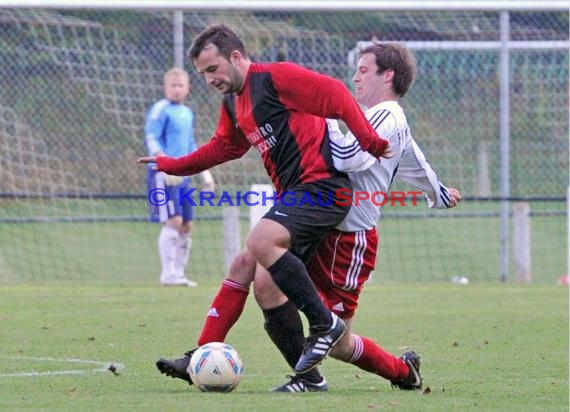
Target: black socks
(285, 328)
(290, 275)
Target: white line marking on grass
(100, 367)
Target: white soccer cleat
(178, 281)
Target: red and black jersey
(280, 111)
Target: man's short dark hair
(221, 36)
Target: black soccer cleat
(414, 379)
(319, 344)
(299, 384)
(176, 368)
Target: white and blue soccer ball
(216, 367)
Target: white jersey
(371, 175)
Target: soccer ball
(215, 367)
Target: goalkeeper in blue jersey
(169, 131)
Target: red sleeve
(311, 92)
(228, 143)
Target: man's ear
(235, 58)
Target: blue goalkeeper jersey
(169, 129)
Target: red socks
(372, 358)
(224, 312)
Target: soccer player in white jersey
(347, 256)
(169, 130)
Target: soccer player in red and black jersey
(346, 257)
(279, 108)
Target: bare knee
(242, 268)
(176, 223)
(267, 294)
(267, 241)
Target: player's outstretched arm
(211, 154)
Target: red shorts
(341, 265)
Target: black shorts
(309, 211)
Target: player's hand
(455, 196)
(171, 180)
(147, 159)
(388, 153)
(208, 183)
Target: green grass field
(485, 347)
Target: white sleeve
(415, 170)
(347, 154)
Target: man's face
(218, 71)
(176, 88)
(369, 86)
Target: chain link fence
(75, 86)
